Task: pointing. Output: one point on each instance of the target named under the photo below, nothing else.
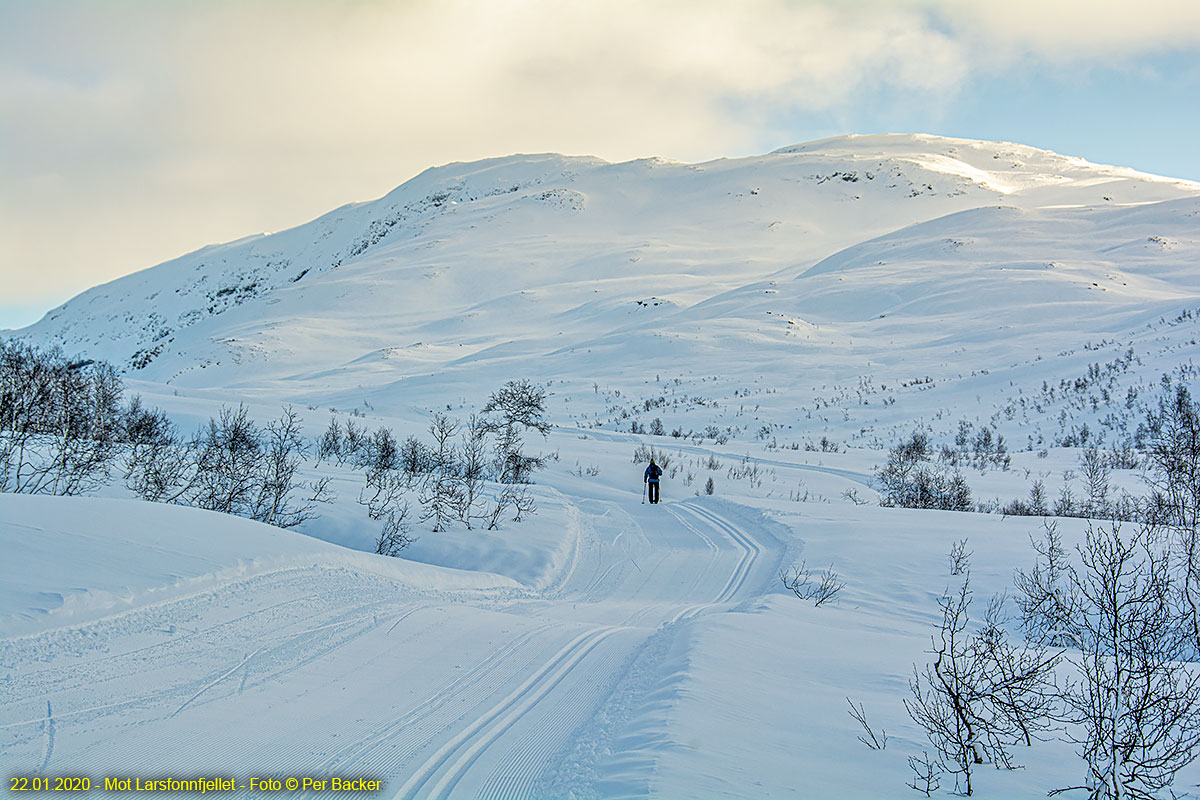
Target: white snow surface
(852, 289)
(131, 554)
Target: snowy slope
(58, 573)
(662, 659)
(892, 257)
(853, 288)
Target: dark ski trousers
(653, 490)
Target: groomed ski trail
(473, 694)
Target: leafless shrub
(354, 445)
(159, 465)
(910, 480)
(960, 557)
(854, 497)
(519, 403)
(518, 499)
(60, 421)
(1173, 458)
(979, 695)
(868, 737)
(496, 510)
(415, 458)
(383, 492)
(1136, 706)
(382, 450)
(748, 469)
(643, 454)
(522, 503)
(926, 774)
(280, 499)
(230, 465)
(1065, 505)
(330, 445)
(518, 406)
(472, 469)
(393, 536)
(1021, 691)
(1043, 593)
(228, 451)
(818, 588)
(1095, 471)
(251, 472)
(1037, 499)
(439, 495)
(1124, 456)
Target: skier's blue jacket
(652, 473)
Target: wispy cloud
(1063, 31)
(136, 130)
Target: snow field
(471, 697)
(664, 659)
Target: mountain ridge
(552, 266)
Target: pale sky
(133, 132)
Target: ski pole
(644, 492)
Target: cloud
(1061, 31)
(134, 131)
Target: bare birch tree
(1136, 704)
(439, 496)
(979, 696)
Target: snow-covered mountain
(892, 257)
(787, 316)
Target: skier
(651, 480)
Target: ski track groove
(505, 785)
(469, 743)
(714, 550)
(272, 576)
(48, 738)
(749, 551)
(381, 735)
(517, 777)
(403, 617)
(220, 678)
(514, 778)
(133, 755)
(752, 549)
(50, 676)
(133, 703)
(475, 751)
(732, 576)
(284, 641)
(861, 478)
